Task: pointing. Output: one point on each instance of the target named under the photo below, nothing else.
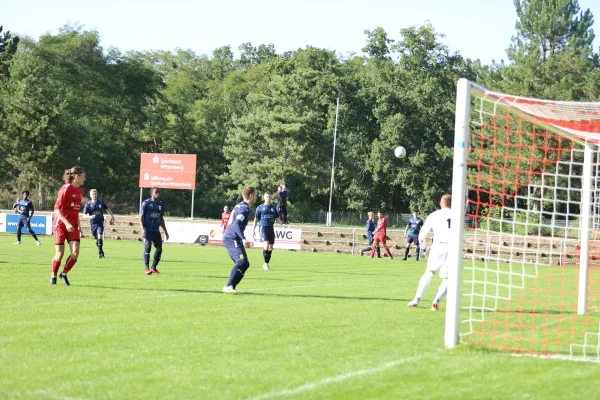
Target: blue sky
(477, 28)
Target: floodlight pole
(337, 109)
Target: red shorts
(61, 233)
(380, 239)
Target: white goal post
(526, 172)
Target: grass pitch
(317, 326)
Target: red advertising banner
(168, 171)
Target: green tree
(8, 48)
(551, 55)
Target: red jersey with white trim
(68, 202)
(225, 219)
(381, 227)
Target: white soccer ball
(400, 152)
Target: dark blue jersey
(239, 221)
(152, 213)
(415, 225)
(96, 209)
(267, 214)
(370, 226)
(24, 207)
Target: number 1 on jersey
(448, 223)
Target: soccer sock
(378, 252)
(388, 252)
(18, 235)
(147, 248)
(99, 244)
(34, 235)
(265, 256)
(55, 267)
(406, 253)
(269, 254)
(442, 289)
(237, 273)
(157, 254)
(373, 250)
(243, 269)
(418, 253)
(424, 284)
(69, 264)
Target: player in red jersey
(380, 236)
(225, 219)
(66, 223)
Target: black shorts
(413, 239)
(24, 223)
(154, 238)
(267, 234)
(97, 229)
(235, 249)
(370, 238)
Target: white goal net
(528, 171)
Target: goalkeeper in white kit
(439, 222)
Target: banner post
(192, 214)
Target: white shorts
(438, 259)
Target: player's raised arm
(425, 230)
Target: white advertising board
(206, 233)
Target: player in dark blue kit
(413, 228)
(151, 220)
(25, 209)
(282, 195)
(94, 210)
(266, 213)
(235, 241)
(370, 230)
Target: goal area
(525, 268)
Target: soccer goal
(525, 270)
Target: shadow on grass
(303, 296)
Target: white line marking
(340, 378)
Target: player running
(66, 224)
(439, 222)
(380, 236)
(235, 241)
(152, 219)
(267, 214)
(225, 219)
(414, 224)
(370, 230)
(25, 209)
(94, 211)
